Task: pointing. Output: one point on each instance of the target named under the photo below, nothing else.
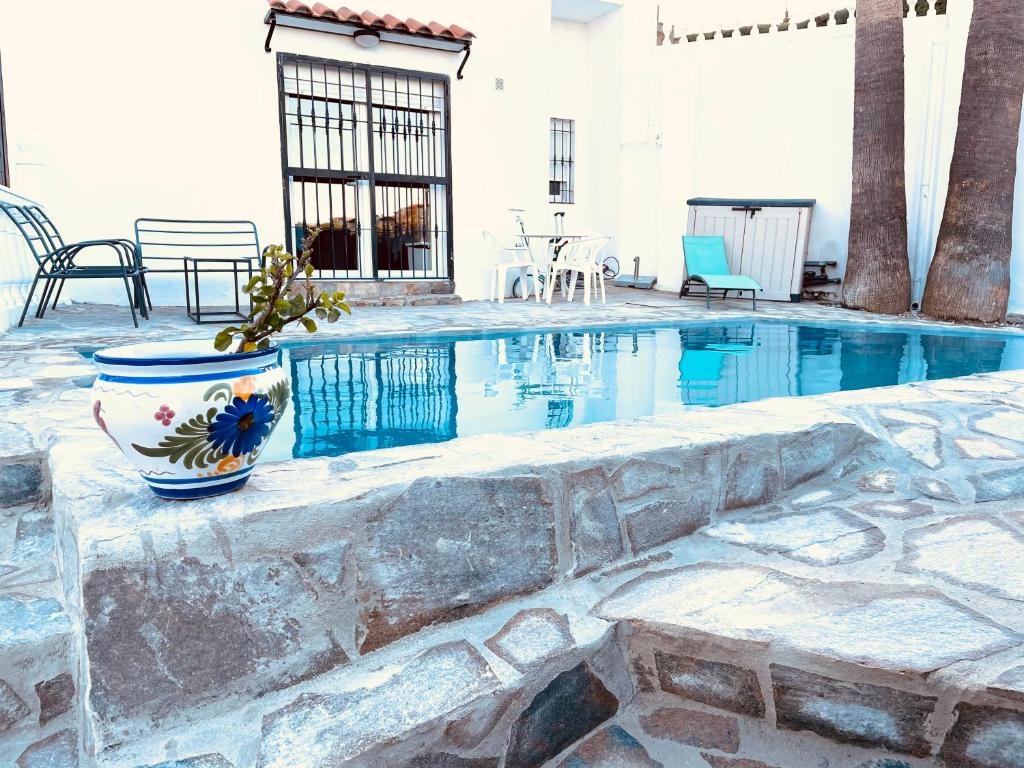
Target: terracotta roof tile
(347, 14)
(391, 22)
(322, 11)
(439, 31)
(416, 27)
(371, 20)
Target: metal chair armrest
(64, 257)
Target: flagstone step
(896, 667)
(319, 562)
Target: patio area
(381, 512)
(678, 590)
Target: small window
(5, 172)
(562, 161)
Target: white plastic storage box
(764, 239)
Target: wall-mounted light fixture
(366, 38)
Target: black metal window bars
(562, 161)
(366, 157)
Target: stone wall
(268, 587)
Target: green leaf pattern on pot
(193, 443)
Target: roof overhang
(335, 27)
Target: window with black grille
(562, 161)
(365, 158)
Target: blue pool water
(357, 396)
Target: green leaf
(264, 344)
(308, 270)
(308, 324)
(222, 341)
(333, 315)
(321, 313)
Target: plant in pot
(193, 417)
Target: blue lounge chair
(707, 265)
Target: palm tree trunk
(969, 278)
(877, 268)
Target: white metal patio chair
(507, 259)
(584, 257)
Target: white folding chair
(579, 257)
(506, 260)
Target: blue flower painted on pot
(242, 425)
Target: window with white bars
(562, 161)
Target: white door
(771, 254)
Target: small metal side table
(240, 267)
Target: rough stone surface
(447, 548)
(639, 477)
(325, 562)
(697, 729)
(613, 747)
(852, 713)
(20, 483)
(714, 683)
(33, 536)
(880, 481)
(998, 484)
(12, 707)
(907, 416)
(1010, 683)
(55, 697)
(923, 444)
(594, 523)
(171, 635)
(663, 521)
(934, 489)
(817, 498)
(980, 448)
(977, 552)
(531, 636)
(824, 536)
(30, 621)
(806, 454)
(57, 751)
(571, 706)
(985, 737)
(448, 760)
(213, 760)
(752, 474)
(899, 509)
(469, 731)
(1002, 422)
(329, 729)
(720, 761)
(897, 628)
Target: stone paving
(829, 581)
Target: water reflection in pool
(360, 396)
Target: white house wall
(772, 116)
(146, 109)
(140, 109)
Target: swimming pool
(361, 395)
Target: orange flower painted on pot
(228, 464)
(244, 387)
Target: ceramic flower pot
(191, 420)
